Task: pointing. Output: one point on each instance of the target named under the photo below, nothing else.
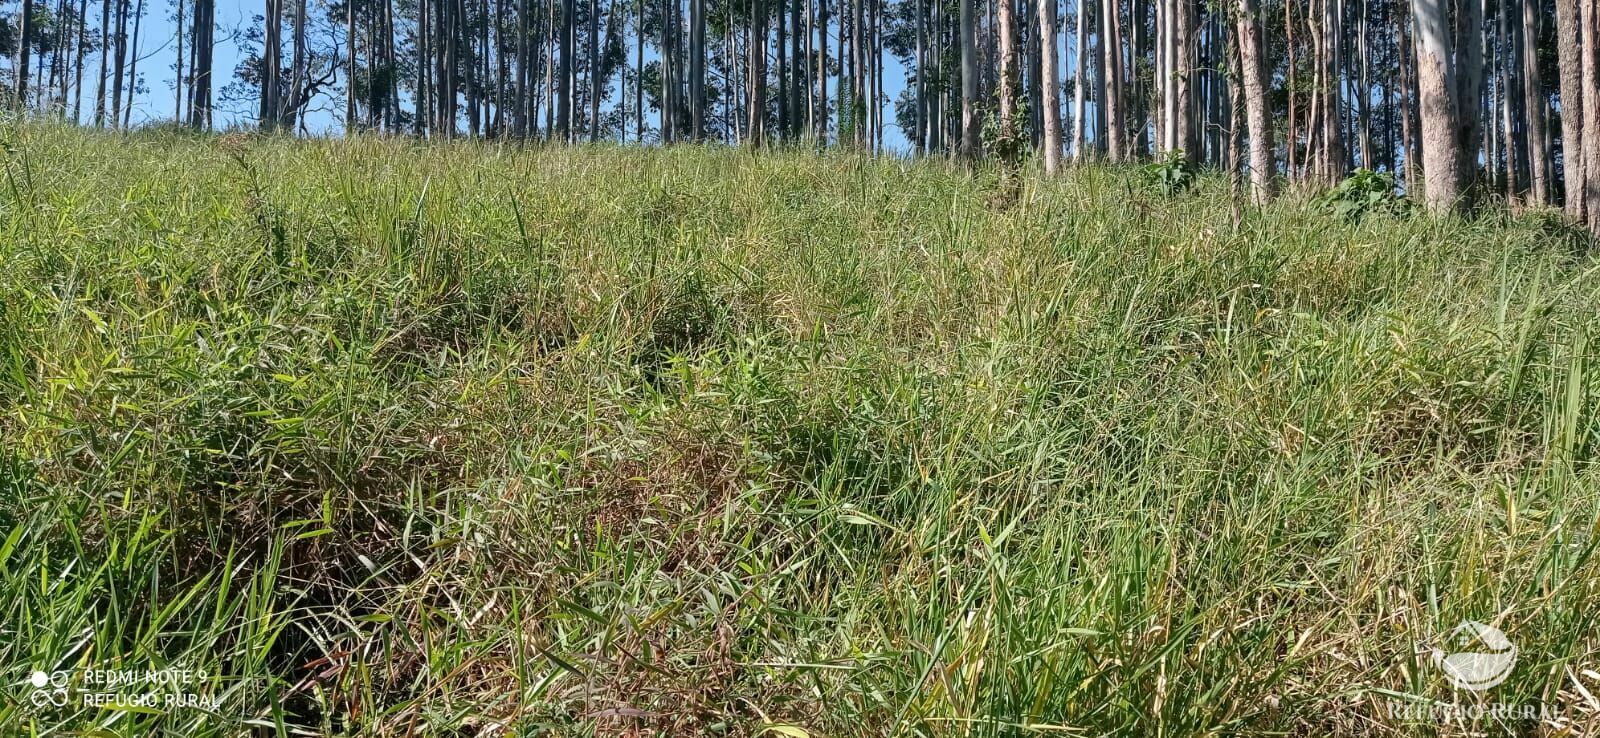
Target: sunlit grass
(405, 439)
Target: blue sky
(157, 54)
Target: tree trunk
(1333, 149)
(1111, 81)
(1080, 84)
(1569, 50)
(1469, 93)
(478, 78)
(201, 52)
(1533, 104)
(758, 75)
(1590, 18)
(1009, 144)
(350, 64)
(970, 124)
(638, 78)
(858, 63)
(1098, 88)
(1032, 70)
(297, 77)
(58, 72)
(1255, 101)
(822, 71)
(594, 70)
(781, 51)
(421, 42)
(1364, 100)
(1139, 51)
(797, 70)
(920, 140)
(120, 61)
(876, 90)
(1410, 108)
(1183, 72)
(468, 40)
(1175, 87)
(671, 124)
(392, 110)
(810, 46)
(82, 44)
(1512, 145)
(519, 83)
(267, 117)
(105, 41)
(1291, 141)
(664, 48)
(1050, 86)
(697, 69)
(1443, 181)
(24, 48)
(568, 50)
(133, 66)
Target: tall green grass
(475, 440)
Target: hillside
(390, 438)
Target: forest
(1500, 100)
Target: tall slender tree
(1010, 83)
(1569, 50)
(1080, 82)
(1589, 17)
(970, 124)
(697, 69)
(1050, 84)
(271, 48)
(201, 52)
(757, 103)
(1444, 182)
(133, 65)
(1111, 81)
(1254, 81)
(24, 49)
(564, 90)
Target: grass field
(389, 438)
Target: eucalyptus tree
(757, 101)
(1589, 38)
(1050, 86)
(1534, 103)
(1433, 91)
(970, 123)
(24, 48)
(1254, 80)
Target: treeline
(1462, 100)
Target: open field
(464, 440)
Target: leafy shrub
(1006, 142)
(1174, 174)
(1363, 192)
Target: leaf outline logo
(1486, 660)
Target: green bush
(1174, 174)
(1364, 192)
